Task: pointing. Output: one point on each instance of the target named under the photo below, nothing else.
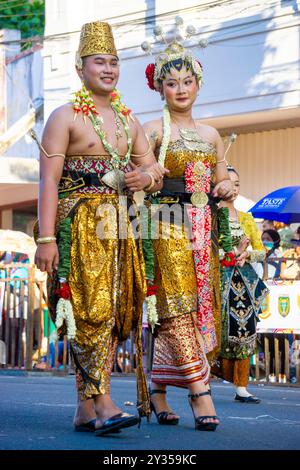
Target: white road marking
(258, 388)
(254, 418)
(264, 418)
(63, 405)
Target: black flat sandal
(162, 417)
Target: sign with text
(281, 308)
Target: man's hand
(223, 190)
(46, 257)
(135, 178)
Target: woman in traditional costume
(186, 280)
(242, 292)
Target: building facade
(21, 109)
(251, 72)
(251, 84)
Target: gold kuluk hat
(95, 38)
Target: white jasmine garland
(166, 135)
(64, 313)
(152, 311)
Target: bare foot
(85, 412)
(105, 409)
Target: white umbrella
(243, 204)
(19, 242)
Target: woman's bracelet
(151, 184)
(46, 240)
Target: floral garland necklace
(151, 300)
(166, 135)
(83, 102)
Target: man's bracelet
(151, 184)
(46, 240)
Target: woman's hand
(137, 178)
(224, 190)
(242, 258)
(243, 245)
(46, 257)
(157, 171)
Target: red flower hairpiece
(150, 75)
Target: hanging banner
(281, 308)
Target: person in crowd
(271, 242)
(290, 267)
(286, 234)
(242, 292)
(268, 225)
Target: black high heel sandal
(162, 417)
(200, 425)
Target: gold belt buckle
(67, 184)
(168, 200)
(199, 199)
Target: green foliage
(25, 15)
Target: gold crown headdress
(95, 38)
(174, 56)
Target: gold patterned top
(178, 155)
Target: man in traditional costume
(93, 157)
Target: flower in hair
(150, 75)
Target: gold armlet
(142, 154)
(221, 161)
(35, 137)
(151, 184)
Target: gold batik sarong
(107, 282)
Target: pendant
(115, 179)
(199, 199)
(199, 169)
(190, 135)
(194, 142)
